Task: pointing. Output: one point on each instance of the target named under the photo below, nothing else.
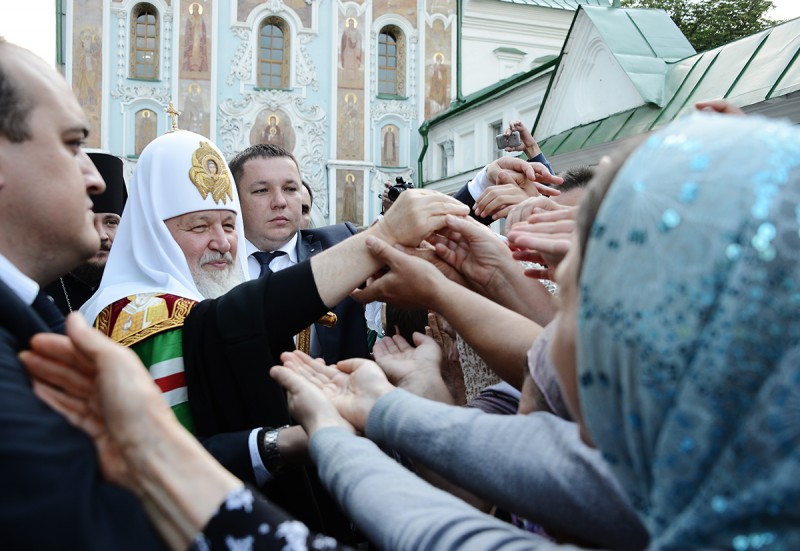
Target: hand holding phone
(508, 140)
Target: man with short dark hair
(270, 188)
(53, 496)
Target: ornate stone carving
(242, 64)
(402, 108)
(306, 70)
(236, 119)
(274, 5)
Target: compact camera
(399, 187)
(511, 140)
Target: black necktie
(264, 259)
(49, 312)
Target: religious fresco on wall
(275, 127)
(193, 107)
(194, 64)
(350, 125)
(87, 63)
(145, 129)
(195, 41)
(438, 56)
(405, 8)
(350, 197)
(352, 56)
(390, 145)
(300, 7)
(353, 60)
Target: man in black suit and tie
(53, 496)
(271, 193)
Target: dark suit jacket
(348, 338)
(229, 345)
(53, 495)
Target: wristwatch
(269, 452)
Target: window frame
(284, 63)
(139, 10)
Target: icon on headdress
(208, 174)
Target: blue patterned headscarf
(689, 333)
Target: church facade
(344, 85)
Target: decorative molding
(306, 70)
(404, 109)
(242, 64)
(310, 124)
(449, 148)
(358, 9)
(446, 19)
(274, 5)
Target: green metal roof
(561, 4)
(748, 71)
(643, 42)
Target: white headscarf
(175, 175)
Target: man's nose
(95, 185)
(219, 241)
(278, 200)
(101, 229)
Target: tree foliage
(708, 24)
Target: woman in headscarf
(683, 321)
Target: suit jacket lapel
(307, 246)
(18, 318)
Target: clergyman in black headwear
(71, 290)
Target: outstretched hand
(103, 389)
(515, 179)
(417, 370)
(530, 206)
(410, 282)
(416, 214)
(325, 395)
(473, 250)
(545, 238)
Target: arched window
(391, 61)
(144, 46)
(273, 54)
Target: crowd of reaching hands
(661, 388)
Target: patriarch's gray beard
(215, 283)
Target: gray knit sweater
(534, 466)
